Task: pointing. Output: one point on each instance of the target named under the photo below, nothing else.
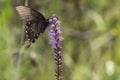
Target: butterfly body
(35, 23)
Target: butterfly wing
(35, 23)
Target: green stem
(22, 36)
(21, 50)
(20, 54)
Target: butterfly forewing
(35, 23)
(25, 13)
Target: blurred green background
(91, 46)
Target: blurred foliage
(91, 47)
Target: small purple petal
(59, 52)
(60, 47)
(52, 42)
(50, 20)
(60, 38)
(58, 22)
(53, 46)
(52, 26)
(51, 31)
(52, 34)
(58, 30)
(54, 19)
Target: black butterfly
(35, 22)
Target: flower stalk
(55, 39)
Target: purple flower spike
(55, 39)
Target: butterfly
(35, 22)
